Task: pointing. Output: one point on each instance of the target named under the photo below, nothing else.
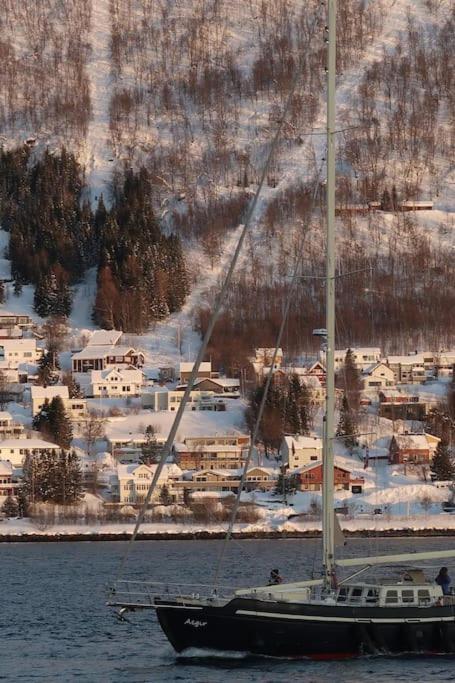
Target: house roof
(313, 465)
(49, 392)
(300, 442)
(103, 351)
(356, 350)
(6, 468)
(265, 351)
(5, 415)
(205, 366)
(125, 374)
(371, 368)
(104, 338)
(170, 470)
(28, 444)
(417, 441)
(221, 381)
(212, 448)
(415, 359)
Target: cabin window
(407, 596)
(423, 595)
(342, 594)
(391, 598)
(372, 595)
(356, 594)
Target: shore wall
(214, 535)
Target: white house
(297, 451)
(9, 320)
(114, 382)
(15, 351)
(378, 376)
(408, 369)
(76, 408)
(10, 429)
(134, 481)
(168, 399)
(15, 450)
(7, 488)
(9, 371)
(444, 363)
(227, 387)
(362, 357)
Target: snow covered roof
(212, 448)
(205, 366)
(28, 444)
(102, 351)
(221, 381)
(356, 350)
(300, 441)
(170, 471)
(415, 359)
(6, 468)
(49, 392)
(104, 338)
(5, 415)
(125, 374)
(313, 465)
(371, 368)
(418, 441)
(268, 352)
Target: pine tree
(59, 423)
(443, 465)
(165, 496)
(346, 425)
(66, 479)
(48, 367)
(348, 379)
(151, 448)
(386, 202)
(286, 485)
(10, 507)
(293, 416)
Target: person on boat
(275, 577)
(443, 580)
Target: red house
(310, 478)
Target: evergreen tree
(52, 478)
(48, 367)
(286, 485)
(151, 448)
(74, 388)
(22, 501)
(348, 379)
(443, 465)
(10, 507)
(293, 416)
(59, 423)
(386, 202)
(346, 425)
(165, 496)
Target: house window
(126, 389)
(407, 596)
(391, 598)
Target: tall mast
(329, 421)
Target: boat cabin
(390, 595)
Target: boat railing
(132, 594)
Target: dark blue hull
(313, 631)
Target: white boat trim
(352, 620)
(395, 559)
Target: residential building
(114, 382)
(298, 451)
(9, 372)
(395, 405)
(16, 450)
(76, 408)
(16, 351)
(105, 338)
(362, 357)
(262, 360)
(7, 487)
(10, 429)
(169, 399)
(310, 478)
(11, 320)
(204, 371)
(223, 480)
(412, 448)
(444, 363)
(134, 482)
(97, 357)
(209, 456)
(407, 369)
(377, 376)
(228, 388)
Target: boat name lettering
(195, 623)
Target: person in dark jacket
(275, 578)
(443, 580)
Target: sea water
(54, 625)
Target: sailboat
(324, 618)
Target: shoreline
(198, 535)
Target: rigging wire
(290, 298)
(220, 300)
